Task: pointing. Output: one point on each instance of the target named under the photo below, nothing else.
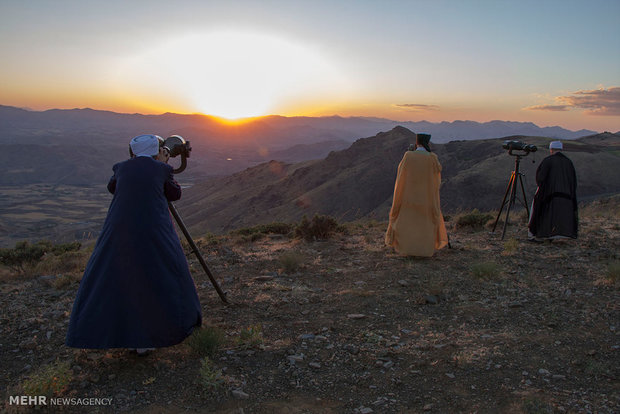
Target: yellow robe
(416, 225)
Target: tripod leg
(513, 194)
(527, 207)
(179, 221)
(503, 201)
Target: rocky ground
(489, 325)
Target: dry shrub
(485, 270)
(319, 228)
(49, 380)
(250, 337)
(211, 378)
(69, 263)
(26, 255)
(206, 341)
(291, 261)
(511, 246)
(474, 220)
(613, 272)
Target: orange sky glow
(477, 62)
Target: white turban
(556, 145)
(145, 145)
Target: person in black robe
(137, 291)
(554, 210)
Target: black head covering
(424, 140)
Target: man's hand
(164, 155)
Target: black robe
(554, 212)
(137, 291)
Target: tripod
(179, 221)
(512, 189)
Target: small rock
(295, 358)
(240, 394)
(558, 376)
(432, 299)
(356, 316)
(365, 410)
(388, 364)
(314, 365)
(264, 278)
(27, 367)
(306, 336)
(450, 375)
(352, 349)
(28, 344)
(428, 407)
(403, 282)
(543, 371)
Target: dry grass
(291, 261)
(206, 341)
(485, 270)
(49, 380)
(511, 246)
(613, 272)
(71, 263)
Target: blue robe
(137, 291)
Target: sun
(230, 74)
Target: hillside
(347, 184)
(346, 326)
(359, 181)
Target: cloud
(595, 102)
(416, 107)
(548, 108)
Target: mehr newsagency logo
(42, 400)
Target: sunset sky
(548, 62)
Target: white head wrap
(145, 145)
(556, 145)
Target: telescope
(519, 146)
(176, 145)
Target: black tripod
(516, 178)
(179, 221)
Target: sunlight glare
(232, 74)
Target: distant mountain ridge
(79, 146)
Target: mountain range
(79, 146)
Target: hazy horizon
(552, 63)
(250, 119)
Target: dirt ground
(489, 325)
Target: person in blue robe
(137, 291)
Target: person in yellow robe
(416, 225)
